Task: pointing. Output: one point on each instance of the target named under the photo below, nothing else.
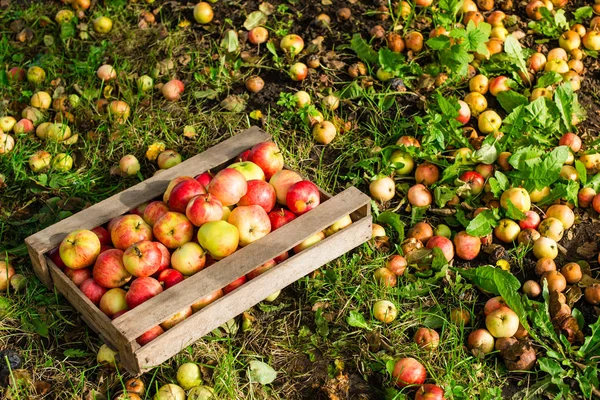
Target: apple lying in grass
(467, 247)
(109, 270)
(429, 391)
(385, 311)
(408, 371)
(444, 244)
(502, 322)
(7, 271)
(141, 290)
(79, 249)
(480, 341)
(426, 338)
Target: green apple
(249, 169)
(188, 376)
(219, 238)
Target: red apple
(419, 196)
(204, 178)
(104, 248)
(142, 258)
(166, 258)
(219, 238)
(182, 193)
(252, 223)
(259, 193)
(444, 244)
(234, 285)
(464, 113)
(54, 255)
(111, 224)
(427, 173)
(204, 208)
(206, 300)
(475, 182)
(228, 185)
(103, 235)
(173, 230)
(92, 290)
(142, 289)
(282, 257)
(189, 258)
(409, 371)
(170, 277)
(79, 249)
(493, 304)
(78, 276)
(128, 230)
(282, 181)
(429, 391)
(268, 157)
(280, 217)
(150, 335)
(426, 338)
(113, 302)
(302, 197)
(260, 270)
(531, 221)
(154, 211)
(109, 270)
(139, 210)
(243, 156)
(467, 247)
(174, 182)
(176, 319)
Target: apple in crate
(250, 170)
(54, 255)
(280, 217)
(252, 223)
(204, 208)
(170, 277)
(103, 235)
(302, 197)
(171, 185)
(142, 289)
(282, 181)
(139, 210)
(154, 211)
(150, 335)
(92, 290)
(235, 284)
(338, 225)
(228, 185)
(219, 238)
(268, 157)
(204, 178)
(206, 300)
(173, 230)
(175, 319)
(182, 193)
(166, 258)
(113, 302)
(79, 249)
(189, 258)
(142, 258)
(128, 230)
(261, 270)
(260, 193)
(78, 276)
(109, 271)
(309, 241)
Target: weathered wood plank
(147, 315)
(150, 188)
(38, 260)
(254, 291)
(99, 321)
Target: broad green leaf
(417, 214)
(461, 217)
(261, 372)
(322, 324)
(511, 99)
(448, 108)
(393, 220)
(564, 98)
(389, 60)
(443, 194)
(583, 13)
(438, 43)
(581, 172)
(363, 50)
(357, 320)
(477, 37)
(548, 79)
(513, 48)
(491, 279)
(488, 152)
(230, 41)
(551, 366)
(513, 212)
(594, 183)
(483, 224)
(591, 345)
(255, 19)
(439, 259)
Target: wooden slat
(147, 190)
(98, 320)
(147, 315)
(38, 260)
(254, 291)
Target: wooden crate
(121, 333)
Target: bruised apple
(426, 338)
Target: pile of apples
(197, 222)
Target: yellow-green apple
(383, 188)
(282, 181)
(591, 40)
(39, 161)
(171, 185)
(219, 238)
(235, 284)
(113, 302)
(103, 235)
(563, 213)
(408, 371)
(552, 228)
(427, 173)
(485, 170)
(385, 311)
(252, 223)
(128, 230)
(141, 290)
(7, 123)
(6, 272)
(426, 338)
(507, 230)
(204, 208)
(489, 122)
(189, 376)
(26, 126)
(302, 197)
(292, 44)
(385, 277)
(153, 211)
(402, 161)
(182, 193)
(109, 270)
(78, 276)
(168, 159)
(260, 270)
(79, 249)
(444, 244)
(204, 178)
(142, 258)
(226, 213)
(228, 185)
(173, 230)
(310, 241)
(474, 181)
(176, 319)
(467, 247)
(7, 143)
(429, 391)
(260, 193)
(189, 258)
(338, 225)
(171, 391)
(150, 335)
(92, 290)
(477, 103)
(170, 277)
(531, 221)
(280, 217)
(268, 157)
(206, 300)
(203, 14)
(129, 165)
(519, 197)
(57, 132)
(480, 342)
(249, 170)
(419, 196)
(464, 112)
(324, 132)
(502, 322)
